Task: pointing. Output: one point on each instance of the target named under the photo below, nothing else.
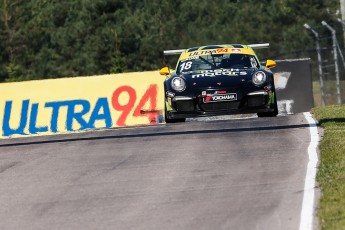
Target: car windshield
(217, 61)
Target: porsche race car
(219, 80)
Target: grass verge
(331, 171)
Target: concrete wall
(293, 82)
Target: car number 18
(186, 66)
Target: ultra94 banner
(75, 104)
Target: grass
(331, 171)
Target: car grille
(184, 105)
(219, 106)
(256, 100)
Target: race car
(219, 80)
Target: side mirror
(164, 71)
(270, 64)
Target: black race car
(219, 80)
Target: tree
(50, 39)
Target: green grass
(331, 171)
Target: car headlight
(178, 84)
(259, 78)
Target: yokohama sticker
(219, 98)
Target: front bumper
(194, 106)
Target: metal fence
(332, 72)
(329, 66)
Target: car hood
(218, 78)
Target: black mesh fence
(327, 65)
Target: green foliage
(49, 38)
(14, 72)
(118, 64)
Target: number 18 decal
(149, 96)
(186, 66)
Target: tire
(273, 113)
(171, 120)
(177, 120)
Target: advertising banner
(293, 83)
(75, 104)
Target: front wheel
(172, 120)
(274, 113)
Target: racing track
(232, 174)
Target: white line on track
(307, 213)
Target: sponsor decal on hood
(219, 72)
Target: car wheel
(273, 113)
(172, 120)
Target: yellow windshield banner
(226, 50)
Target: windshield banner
(194, 54)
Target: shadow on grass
(331, 120)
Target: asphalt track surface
(232, 174)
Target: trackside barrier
(68, 105)
(293, 83)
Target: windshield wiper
(214, 62)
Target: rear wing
(253, 46)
